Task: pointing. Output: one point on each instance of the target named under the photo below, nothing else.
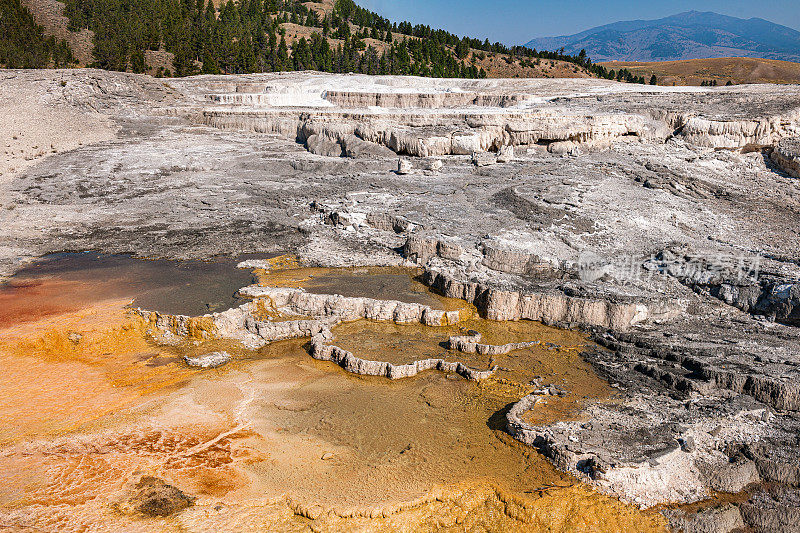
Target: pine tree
(282, 57)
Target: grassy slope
(694, 71)
(49, 15)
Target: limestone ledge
(349, 362)
(472, 344)
(421, 100)
(437, 134)
(239, 324)
(549, 306)
(534, 295)
(434, 130)
(243, 323)
(733, 133)
(300, 302)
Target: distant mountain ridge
(689, 35)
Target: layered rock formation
(787, 155)
(355, 365)
(471, 343)
(440, 119)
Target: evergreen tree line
(246, 36)
(350, 11)
(23, 43)
(713, 83)
(627, 76)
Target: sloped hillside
(24, 43)
(162, 37)
(736, 70)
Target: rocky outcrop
(505, 154)
(706, 366)
(355, 365)
(434, 117)
(435, 165)
(299, 302)
(430, 135)
(774, 509)
(246, 325)
(419, 248)
(385, 222)
(732, 477)
(742, 282)
(153, 497)
(518, 262)
(472, 344)
(714, 132)
(321, 145)
(422, 100)
(722, 519)
(208, 360)
(786, 155)
(357, 148)
(545, 305)
(404, 166)
(643, 453)
(483, 159)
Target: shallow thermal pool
(274, 440)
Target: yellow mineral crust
(65, 370)
(276, 441)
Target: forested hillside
(23, 44)
(251, 36)
(185, 37)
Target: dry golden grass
(694, 71)
(496, 66)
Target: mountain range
(690, 35)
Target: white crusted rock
(208, 360)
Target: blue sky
(518, 21)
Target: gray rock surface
(403, 166)
(773, 509)
(483, 159)
(321, 145)
(505, 154)
(723, 519)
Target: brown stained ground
(555, 361)
(737, 70)
(716, 500)
(274, 440)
